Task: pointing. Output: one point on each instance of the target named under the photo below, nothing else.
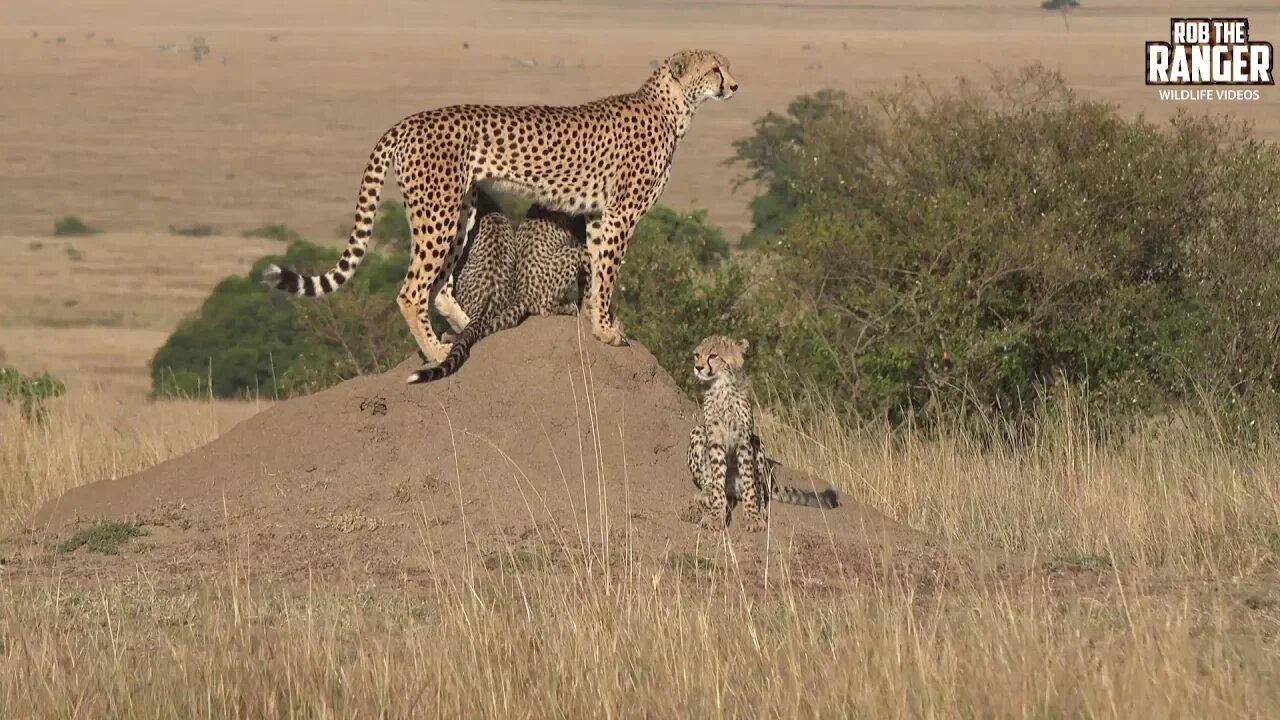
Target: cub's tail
(475, 330)
(827, 499)
(375, 175)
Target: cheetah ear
(678, 64)
(743, 345)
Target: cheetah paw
(611, 336)
(691, 513)
(712, 523)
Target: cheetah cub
(726, 457)
(509, 275)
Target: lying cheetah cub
(508, 276)
(726, 457)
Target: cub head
(702, 75)
(717, 356)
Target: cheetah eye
(713, 356)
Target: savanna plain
(1060, 577)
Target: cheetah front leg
(698, 455)
(715, 505)
(606, 245)
(755, 512)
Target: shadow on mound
(547, 450)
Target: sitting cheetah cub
(726, 457)
(508, 276)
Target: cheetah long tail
(827, 499)
(460, 350)
(375, 175)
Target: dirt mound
(546, 448)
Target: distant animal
(726, 456)
(609, 159)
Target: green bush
(353, 332)
(30, 392)
(391, 226)
(197, 230)
(246, 340)
(71, 226)
(949, 257)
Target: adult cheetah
(508, 275)
(726, 456)
(608, 159)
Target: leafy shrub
(246, 340)
(353, 332)
(391, 226)
(241, 338)
(969, 250)
(274, 231)
(197, 230)
(30, 392)
(104, 537)
(72, 225)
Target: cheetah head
(717, 356)
(702, 75)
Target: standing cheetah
(507, 276)
(726, 457)
(608, 159)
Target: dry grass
(566, 649)
(91, 435)
(1188, 631)
(1182, 501)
